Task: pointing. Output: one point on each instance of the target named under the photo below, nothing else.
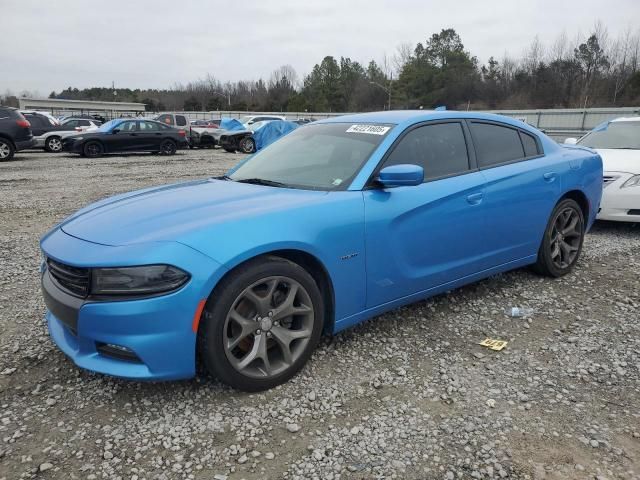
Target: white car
(249, 120)
(52, 141)
(618, 143)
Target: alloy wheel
(55, 144)
(566, 236)
(5, 151)
(268, 327)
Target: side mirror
(115, 130)
(570, 141)
(401, 175)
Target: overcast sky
(49, 45)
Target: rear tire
(562, 241)
(93, 149)
(269, 307)
(168, 147)
(7, 150)
(53, 144)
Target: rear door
(522, 186)
(423, 236)
(150, 135)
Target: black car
(40, 124)
(127, 135)
(15, 133)
(238, 141)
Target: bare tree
(402, 56)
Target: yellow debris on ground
(493, 344)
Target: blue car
(335, 223)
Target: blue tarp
(231, 124)
(272, 131)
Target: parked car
(40, 122)
(337, 222)
(258, 136)
(51, 141)
(197, 136)
(95, 117)
(249, 120)
(127, 135)
(618, 143)
(242, 140)
(205, 124)
(15, 133)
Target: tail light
(182, 133)
(23, 123)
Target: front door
(428, 235)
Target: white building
(84, 107)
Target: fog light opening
(117, 351)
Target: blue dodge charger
(337, 222)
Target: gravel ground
(409, 395)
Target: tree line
(593, 71)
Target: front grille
(607, 179)
(73, 279)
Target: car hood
(173, 212)
(619, 160)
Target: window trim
(372, 184)
(520, 131)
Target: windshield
(624, 135)
(106, 127)
(320, 156)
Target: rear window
(530, 145)
(181, 121)
(495, 144)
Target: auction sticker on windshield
(370, 129)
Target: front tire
(7, 150)
(261, 324)
(562, 241)
(93, 149)
(53, 144)
(247, 145)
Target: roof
(396, 117)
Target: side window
(149, 126)
(166, 119)
(34, 120)
(495, 144)
(127, 126)
(71, 124)
(530, 145)
(181, 121)
(83, 123)
(440, 149)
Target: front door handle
(550, 176)
(475, 198)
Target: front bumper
(158, 331)
(619, 204)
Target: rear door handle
(550, 176)
(475, 198)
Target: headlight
(146, 280)
(632, 182)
